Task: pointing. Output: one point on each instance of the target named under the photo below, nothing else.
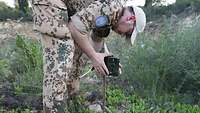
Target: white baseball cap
(140, 22)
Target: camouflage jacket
(84, 20)
(51, 16)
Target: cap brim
(140, 23)
(133, 36)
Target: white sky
(135, 2)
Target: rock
(10, 102)
(93, 96)
(18, 26)
(96, 108)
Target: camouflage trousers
(61, 55)
(61, 71)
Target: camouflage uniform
(61, 55)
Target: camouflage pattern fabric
(61, 55)
(88, 15)
(74, 6)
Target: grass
(159, 76)
(167, 64)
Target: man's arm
(82, 22)
(83, 42)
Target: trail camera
(112, 64)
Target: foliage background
(160, 72)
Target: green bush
(4, 70)
(180, 6)
(7, 12)
(26, 63)
(15, 111)
(119, 102)
(115, 97)
(124, 104)
(169, 64)
(21, 64)
(183, 108)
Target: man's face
(125, 25)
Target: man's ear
(131, 18)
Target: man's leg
(51, 17)
(74, 102)
(58, 63)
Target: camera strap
(86, 73)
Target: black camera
(112, 63)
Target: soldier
(65, 39)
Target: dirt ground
(9, 29)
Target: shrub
(169, 64)
(4, 69)
(26, 63)
(7, 12)
(180, 6)
(134, 104)
(21, 64)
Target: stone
(95, 107)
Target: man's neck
(115, 17)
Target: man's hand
(99, 64)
